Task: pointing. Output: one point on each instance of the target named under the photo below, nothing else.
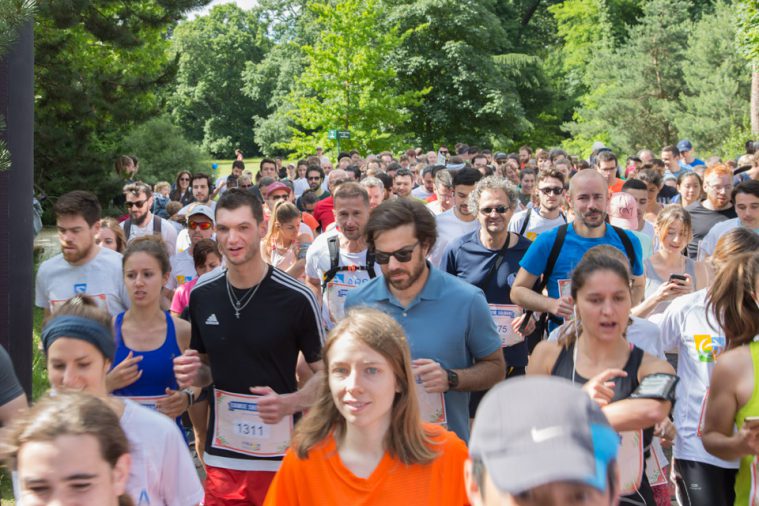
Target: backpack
(156, 226)
(334, 262)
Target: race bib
(148, 401)
(431, 405)
(753, 498)
(503, 315)
(239, 428)
(336, 294)
(630, 461)
(654, 468)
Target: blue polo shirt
(468, 259)
(574, 247)
(449, 321)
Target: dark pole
(16, 191)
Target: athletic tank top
(623, 387)
(157, 365)
(747, 481)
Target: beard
(593, 213)
(75, 256)
(413, 274)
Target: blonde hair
(113, 225)
(68, 414)
(161, 185)
(283, 212)
(670, 214)
(735, 242)
(406, 438)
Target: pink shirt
(182, 296)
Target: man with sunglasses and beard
(454, 343)
(142, 222)
(532, 222)
(589, 196)
(200, 225)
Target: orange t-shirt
(309, 220)
(617, 186)
(322, 479)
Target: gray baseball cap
(201, 209)
(535, 430)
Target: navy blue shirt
(468, 259)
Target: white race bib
(148, 401)
(431, 405)
(336, 294)
(239, 428)
(654, 468)
(630, 461)
(503, 315)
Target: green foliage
(208, 101)
(100, 67)
(714, 102)
(748, 28)
(346, 83)
(162, 150)
(634, 90)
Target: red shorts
(229, 487)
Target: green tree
(208, 101)
(163, 150)
(99, 69)
(347, 83)
(748, 41)
(634, 90)
(717, 82)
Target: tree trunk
(755, 99)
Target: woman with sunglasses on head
(690, 326)
(284, 247)
(147, 337)
(594, 352)
(362, 442)
(79, 347)
(182, 191)
(111, 235)
(734, 393)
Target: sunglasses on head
(202, 225)
(556, 190)
(402, 255)
(499, 210)
(136, 203)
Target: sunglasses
(136, 203)
(556, 190)
(202, 225)
(499, 210)
(184, 178)
(402, 255)
(245, 185)
(317, 178)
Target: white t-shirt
(537, 224)
(318, 262)
(435, 208)
(182, 270)
(299, 186)
(449, 228)
(168, 233)
(698, 342)
(421, 192)
(162, 471)
(642, 333)
(101, 278)
(709, 242)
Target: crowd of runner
(450, 327)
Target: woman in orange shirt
(363, 441)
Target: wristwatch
(190, 396)
(453, 379)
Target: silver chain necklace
(239, 304)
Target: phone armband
(659, 386)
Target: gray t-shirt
(100, 278)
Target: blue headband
(77, 327)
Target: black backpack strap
(627, 243)
(157, 225)
(525, 223)
(370, 263)
(561, 234)
(333, 246)
(127, 228)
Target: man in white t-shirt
(82, 267)
(201, 191)
(532, 222)
(458, 220)
(443, 193)
(238, 166)
(141, 221)
(427, 188)
(333, 270)
(200, 225)
(746, 200)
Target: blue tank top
(157, 365)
